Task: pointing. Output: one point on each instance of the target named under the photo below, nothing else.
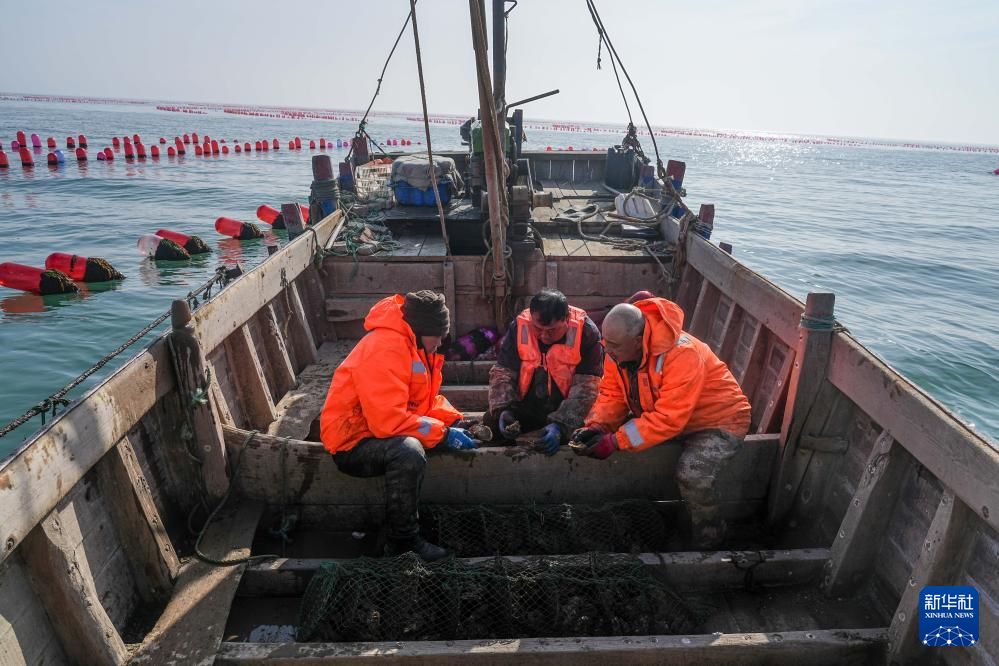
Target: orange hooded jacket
(683, 387)
(386, 387)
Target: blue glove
(457, 439)
(506, 419)
(552, 439)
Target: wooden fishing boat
(127, 521)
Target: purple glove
(604, 447)
(552, 439)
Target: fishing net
(167, 250)
(56, 282)
(403, 598)
(100, 270)
(195, 245)
(632, 526)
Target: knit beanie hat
(426, 313)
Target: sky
(897, 69)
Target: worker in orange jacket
(383, 409)
(661, 384)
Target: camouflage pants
(705, 454)
(401, 460)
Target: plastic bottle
(148, 243)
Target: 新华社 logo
(948, 615)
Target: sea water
(906, 238)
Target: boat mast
(495, 168)
(499, 69)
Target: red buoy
(225, 149)
(236, 229)
(81, 154)
(162, 140)
(266, 145)
(246, 146)
(187, 138)
(22, 139)
(204, 138)
(322, 144)
(82, 140)
(129, 151)
(116, 142)
(70, 142)
(101, 156)
(238, 148)
(215, 147)
(50, 142)
(180, 147)
(192, 244)
(298, 142)
(194, 137)
(140, 151)
(267, 214)
(26, 159)
(171, 151)
(258, 149)
(291, 145)
(72, 265)
(198, 151)
(312, 145)
(108, 155)
(277, 146)
(154, 152)
(135, 139)
(29, 278)
(52, 159)
(4, 162)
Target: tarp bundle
(414, 170)
(403, 598)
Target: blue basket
(407, 195)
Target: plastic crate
(371, 182)
(408, 195)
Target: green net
(632, 526)
(403, 598)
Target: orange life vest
(559, 361)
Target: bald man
(661, 384)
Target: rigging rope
(432, 166)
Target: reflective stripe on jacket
(682, 387)
(386, 387)
(559, 361)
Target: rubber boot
(427, 551)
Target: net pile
(632, 526)
(403, 598)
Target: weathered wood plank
(150, 553)
(863, 527)
(277, 351)
(495, 475)
(704, 310)
(959, 457)
(768, 398)
(301, 334)
(811, 357)
(765, 301)
(86, 632)
(44, 468)
(817, 648)
(26, 634)
(449, 298)
(302, 405)
(219, 318)
(190, 629)
(251, 384)
(941, 559)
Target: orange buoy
(26, 159)
(82, 141)
(4, 162)
(82, 269)
(50, 142)
(81, 154)
(192, 244)
(236, 229)
(70, 142)
(36, 280)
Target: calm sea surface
(907, 239)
